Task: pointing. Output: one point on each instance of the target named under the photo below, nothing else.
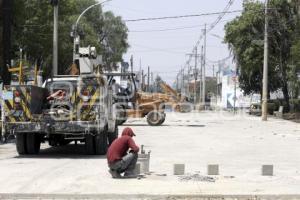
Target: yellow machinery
(21, 71)
(137, 104)
(178, 102)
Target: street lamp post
(265, 72)
(76, 36)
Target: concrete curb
(149, 197)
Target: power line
(151, 49)
(167, 29)
(157, 51)
(172, 29)
(182, 16)
(212, 26)
(221, 60)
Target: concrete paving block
(212, 169)
(179, 169)
(137, 169)
(267, 170)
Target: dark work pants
(127, 164)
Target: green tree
(33, 29)
(294, 82)
(245, 36)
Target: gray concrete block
(179, 169)
(137, 169)
(212, 169)
(267, 170)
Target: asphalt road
(240, 144)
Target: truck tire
(21, 143)
(112, 136)
(33, 143)
(163, 119)
(155, 118)
(89, 144)
(101, 143)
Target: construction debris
(197, 177)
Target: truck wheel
(163, 119)
(112, 136)
(89, 144)
(21, 143)
(101, 144)
(33, 143)
(155, 118)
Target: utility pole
(201, 75)
(142, 85)
(218, 75)
(195, 72)
(1, 41)
(265, 74)
(148, 80)
(152, 81)
(6, 40)
(55, 37)
(182, 81)
(131, 63)
(195, 75)
(204, 63)
(188, 81)
(140, 64)
(140, 70)
(234, 100)
(177, 81)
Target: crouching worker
(122, 155)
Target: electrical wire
(167, 29)
(151, 49)
(211, 27)
(172, 29)
(182, 16)
(221, 60)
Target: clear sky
(165, 51)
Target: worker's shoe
(130, 175)
(115, 174)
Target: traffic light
(54, 2)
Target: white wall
(228, 94)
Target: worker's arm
(133, 146)
(55, 95)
